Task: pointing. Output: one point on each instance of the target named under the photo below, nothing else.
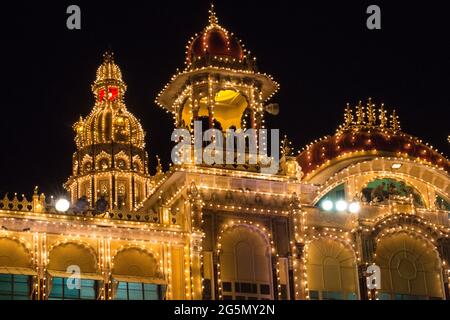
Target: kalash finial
(108, 57)
(212, 16)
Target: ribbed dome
(110, 120)
(106, 125)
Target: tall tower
(220, 85)
(110, 162)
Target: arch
(406, 222)
(138, 165)
(136, 262)
(14, 254)
(331, 270)
(229, 107)
(103, 161)
(245, 263)
(122, 157)
(86, 164)
(70, 253)
(410, 267)
(409, 171)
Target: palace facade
(367, 194)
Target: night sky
(322, 55)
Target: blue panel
(135, 295)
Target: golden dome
(108, 124)
(110, 120)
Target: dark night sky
(322, 55)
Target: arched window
(87, 167)
(441, 203)
(16, 271)
(63, 258)
(380, 190)
(245, 267)
(410, 268)
(104, 164)
(336, 194)
(137, 276)
(331, 271)
(121, 164)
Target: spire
(212, 16)
(395, 123)
(348, 117)
(371, 113)
(369, 117)
(382, 117)
(360, 114)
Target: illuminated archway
(245, 265)
(229, 108)
(14, 254)
(67, 254)
(410, 268)
(331, 271)
(136, 275)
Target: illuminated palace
(367, 194)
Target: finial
(286, 148)
(348, 116)
(159, 166)
(108, 57)
(360, 114)
(395, 123)
(371, 113)
(382, 117)
(212, 15)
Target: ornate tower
(110, 162)
(220, 85)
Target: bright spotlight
(341, 205)
(62, 205)
(327, 205)
(354, 207)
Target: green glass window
(336, 194)
(379, 190)
(60, 290)
(441, 204)
(15, 287)
(138, 291)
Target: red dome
(215, 41)
(384, 143)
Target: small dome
(215, 41)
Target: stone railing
(39, 204)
